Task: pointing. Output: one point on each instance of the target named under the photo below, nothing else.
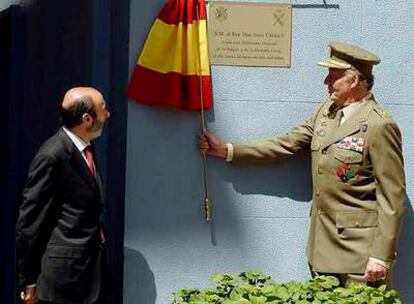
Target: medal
(345, 172)
(352, 143)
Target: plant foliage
(251, 287)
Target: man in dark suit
(59, 235)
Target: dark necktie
(89, 160)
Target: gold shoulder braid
(383, 114)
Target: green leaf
(257, 300)
(253, 287)
(236, 294)
(241, 301)
(225, 279)
(382, 288)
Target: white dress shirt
(78, 142)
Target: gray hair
(365, 80)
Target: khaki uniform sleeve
(388, 168)
(275, 149)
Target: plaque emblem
(221, 14)
(277, 17)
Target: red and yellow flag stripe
(174, 59)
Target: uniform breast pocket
(348, 156)
(347, 165)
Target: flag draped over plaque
(173, 67)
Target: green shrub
(257, 288)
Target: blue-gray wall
(260, 218)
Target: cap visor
(328, 64)
(336, 64)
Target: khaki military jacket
(358, 184)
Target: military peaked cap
(346, 56)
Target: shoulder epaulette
(383, 114)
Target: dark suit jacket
(57, 232)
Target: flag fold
(173, 68)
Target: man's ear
(87, 118)
(354, 81)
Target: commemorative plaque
(250, 34)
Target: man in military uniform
(357, 171)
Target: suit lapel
(78, 162)
(81, 167)
(351, 125)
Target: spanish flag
(173, 67)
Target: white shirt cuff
(380, 262)
(31, 285)
(230, 150)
